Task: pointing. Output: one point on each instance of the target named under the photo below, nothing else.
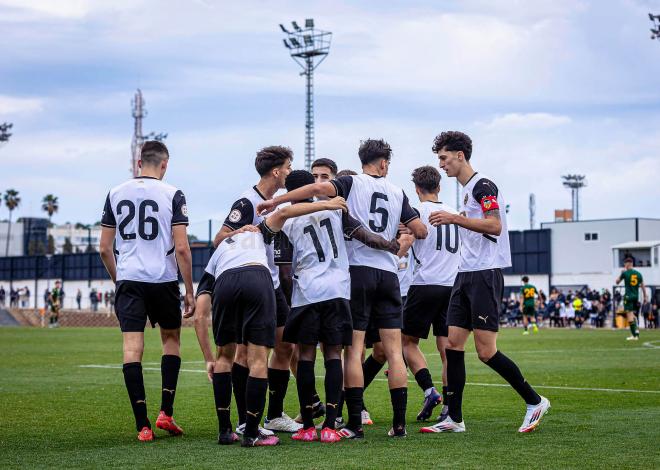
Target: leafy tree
(12, 201)
(67, 248)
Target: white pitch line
(478, 384)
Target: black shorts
(282, 306)
(426, 306)
(328, 322)
(205, 285)
(375, 298)
(475, 300)
(244, 307)
(136, 301)
(529, 311)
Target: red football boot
(146, 435)
(168, 424)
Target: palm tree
(11, 201)
(50, 204)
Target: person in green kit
(528, 294)
(633, 280)
(55, 301)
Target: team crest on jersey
(465, 199)
(184, 210)
(235, 216)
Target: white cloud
(10, 105)
(526, 121)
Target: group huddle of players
(339, 262)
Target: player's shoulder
(484, 184)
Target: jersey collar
(256, 190)
(473, 175)
(146, 178)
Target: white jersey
(481, 251)
(319, 261)
(406, 267)
(143, 210)
(437, 256)
(244, 212)
(379, 206)
(247, 248)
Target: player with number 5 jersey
(146, 219)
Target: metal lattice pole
(308, 46)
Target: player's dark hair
(153, 152)
(426, 178)
(271, 157)
(325, 162)
(374, 149)
(525, 279)
(628, 260)
(346, 173)
(453, 141)
(298, 179)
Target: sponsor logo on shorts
(483, 318)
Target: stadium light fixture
(655, 31)
(4, 134)
(284, 30)
(308, 47)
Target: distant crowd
(574, 309)
(20, 298)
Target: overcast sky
(544, 88)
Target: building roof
(634, 245)
(616, 219)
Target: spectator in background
(79, 298)
(94, 300)
(26, 297)
(112, 301)
(3, 295)
(47, 298)
(13, 298)
(578, 306)
(106, 299)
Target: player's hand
(266, 207)
(337, 203)
(403, 230)
(188, 305)
(210, 366)
(441, 218)
(247, 228)
(406, 241)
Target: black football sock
(255, 400)
(340, 405)
(222, 396)
(135, 386)
(315, 397)
(424, 380)
(169, 371)
(278, 381)
(370, 368)
(305, 383)
(510, 372)
(444, 394)
(239, 375)
(455, 383)
(354, 405)
(333, 380)
(399, 397)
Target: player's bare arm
(226, 232)
(490, 224)
(276, 221)
(643, 287)
(106, 251)
(418, 229)
(405, 242)
(301, 194)
(184, 260)
(202, 323)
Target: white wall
(571, 254)
(649, 229)
(16, 240)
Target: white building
(79, 237)
(590, 252)
(15, 238)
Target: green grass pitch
(55, 413)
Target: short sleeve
(108, 217)
(485, 192)
(179, 209)
(343, 185)
(349, 225)
(241, 214)
(408, 214)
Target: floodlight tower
(575, 183)
(532, 210)
(4, 135)
(139, 113)
(655, 31)
(308, 47)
